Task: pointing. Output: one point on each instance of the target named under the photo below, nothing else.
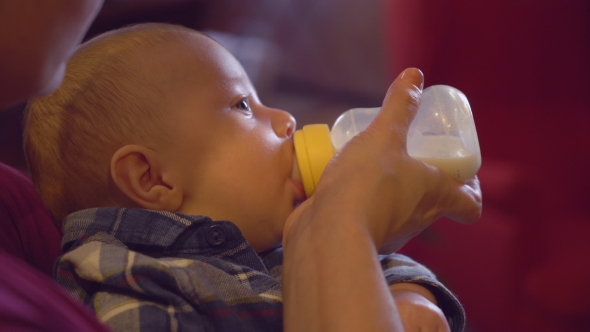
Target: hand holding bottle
(372, 197)
(373, 180)
(442, 134)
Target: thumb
(399, 108)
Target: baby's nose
(283, 123)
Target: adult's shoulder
(26, 229)
(10, 177)
(30, 301)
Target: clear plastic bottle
(443, 134)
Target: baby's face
(233, 155)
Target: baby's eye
(243, 105)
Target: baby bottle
(442, 134)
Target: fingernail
(414, 76)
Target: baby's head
(162, 117)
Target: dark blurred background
(525, 67)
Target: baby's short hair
(107, 100)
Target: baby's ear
(137, 172)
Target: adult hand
(374, 181)
(372, 196)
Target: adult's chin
(52, 79)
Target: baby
(174, 183)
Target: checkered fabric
(142, 270)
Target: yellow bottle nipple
(313, 149)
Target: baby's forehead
(205, 55)
(197, 58)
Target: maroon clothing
(26, 230)
(29, 300)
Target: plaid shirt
(143, 270)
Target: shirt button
(216, 235)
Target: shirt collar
(158, 231)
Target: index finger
(399, 107)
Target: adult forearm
(332, 279)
